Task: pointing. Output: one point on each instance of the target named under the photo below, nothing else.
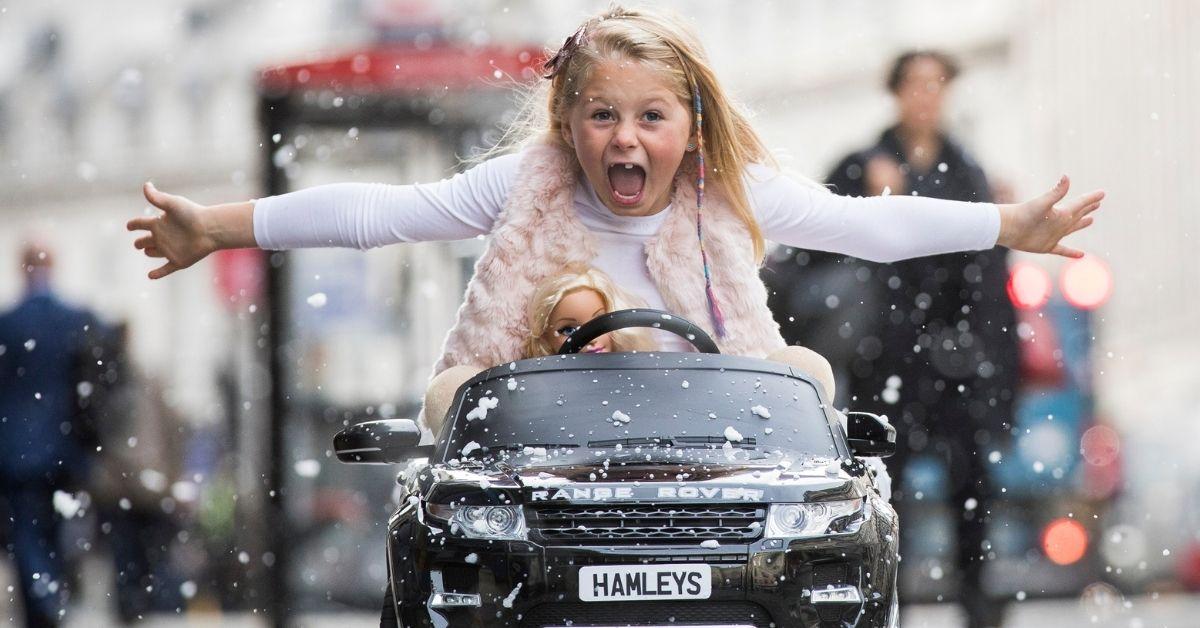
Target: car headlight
(482, 522)
(815, 519)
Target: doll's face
(573, 311)
(630, 132)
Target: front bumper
(525, 585)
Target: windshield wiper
(631, 442)
(521, 446)
(748, 442)
(668, 441)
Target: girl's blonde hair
(670, 45)
(555, 288)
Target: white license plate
(645, 582)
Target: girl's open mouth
(627, 182)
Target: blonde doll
(564, 302)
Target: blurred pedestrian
(139, 463)
(935, 346)
(45, 344)
(824, 301)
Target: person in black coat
(932, 341)
(45, 359)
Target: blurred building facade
(97, 97)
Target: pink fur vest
(538, 234)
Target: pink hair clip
(560, 58)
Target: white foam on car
(508, 601)
(834, 469)
(479, 412)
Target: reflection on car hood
(815, 479)
(688, 472)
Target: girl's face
(573, 311)
(630, 132)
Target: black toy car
(651, 489)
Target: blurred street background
(231, 501)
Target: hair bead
(714, 309)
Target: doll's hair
(573, 279)
(669, 45)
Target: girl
(676, 198)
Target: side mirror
(870, 435)
(380, 442)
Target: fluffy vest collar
(538, 233)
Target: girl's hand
(1037, 225)
(177, 234)
(184, 232)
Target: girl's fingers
(1078, 203)
(163, 271)
(1066, 251)
(153, 252)
(144, 242)
(1088, 208)
(152, 194)
(161, 200)
(1083, 223)
(141, 222)
(1056, 193)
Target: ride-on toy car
(638, 489)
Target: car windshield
(652, 414)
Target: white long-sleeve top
(789, 211)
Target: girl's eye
(653, 116)
(602, 115)
(566, 330)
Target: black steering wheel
(654, 319)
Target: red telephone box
(353, 334)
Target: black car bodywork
(658, 489)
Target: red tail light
(1064, 541)
(1086, 283)
(1028, 286)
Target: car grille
(674, 558)
(682, 614)
(830, 575)
(636, 524)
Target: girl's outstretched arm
(355, 215)
(893, 228)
